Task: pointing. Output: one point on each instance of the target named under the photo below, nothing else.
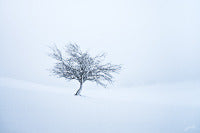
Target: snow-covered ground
(163, 108)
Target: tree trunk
(79, 90)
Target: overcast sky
(155, 40)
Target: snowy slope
(32, 108)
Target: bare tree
(80, 66)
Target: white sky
(156, 41)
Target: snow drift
(27, 107)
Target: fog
(156, 41)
